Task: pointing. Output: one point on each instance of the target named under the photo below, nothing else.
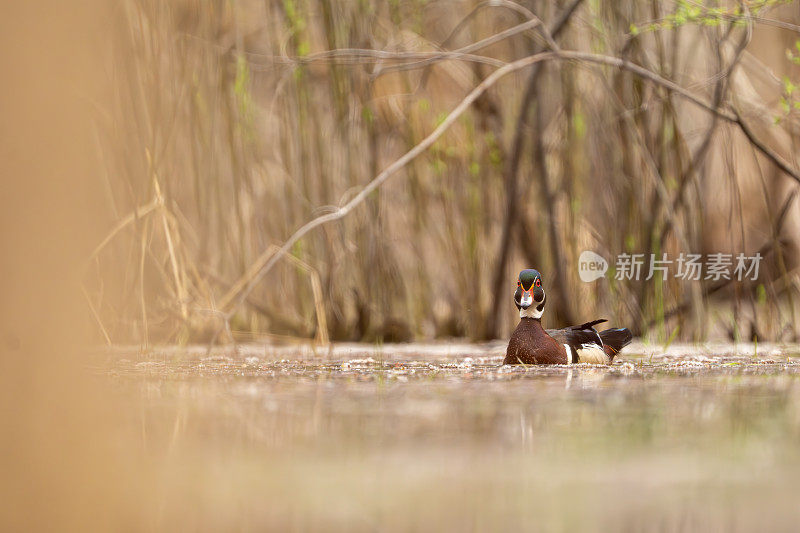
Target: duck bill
(534, 295)
(526, 300)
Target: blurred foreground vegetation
(231, 127)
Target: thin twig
(96, 316)
(525, 13)
(520, 10)
(764, 149)
(138, 213)
(180, 290)
(142, 298)
(322, 336)
(366, 56)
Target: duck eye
(518, 283)
(538, 283)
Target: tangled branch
(489, 81)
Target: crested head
(530, 296)
(528, 277)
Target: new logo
(591, 266)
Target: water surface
(422, 437)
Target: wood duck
(530, 344)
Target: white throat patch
(536, 310)
(531, 312)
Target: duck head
(529, 296)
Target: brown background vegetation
(226, 133)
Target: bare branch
(766, 150)
(483, 43)
(366, 56)
(360, 55)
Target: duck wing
(583, 343)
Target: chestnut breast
(531, 345)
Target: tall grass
(226, 135)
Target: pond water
(442, 437)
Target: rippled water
(421, 437)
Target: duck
(531, 344)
